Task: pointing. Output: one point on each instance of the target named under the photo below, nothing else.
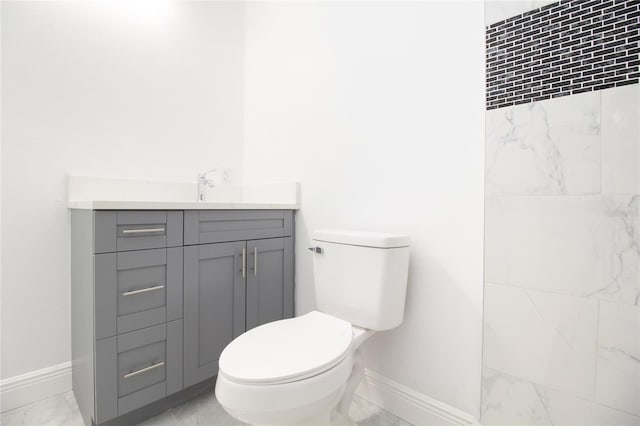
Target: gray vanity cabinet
(126, 314)
(157, 295)
(214, 297)
(225, 295)
(135, 369)
(137, 289)
(269, 280)
(238, 273)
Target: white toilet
(304, 370)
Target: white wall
(139, 89)
(377, 109)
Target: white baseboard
(410, 405)
(402, 401)
(34, 386)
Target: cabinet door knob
(255, 260)
(244, 262)
(316, 249)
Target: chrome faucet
(203, 183)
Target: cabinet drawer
(137, 368)
(141, 359)
(211, 226)
(136, 230)
(137, 289)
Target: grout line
(557, 293)
(595, 373)
(558, 196)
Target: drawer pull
(142, 231)
(142, 290)
(143, 370)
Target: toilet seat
(288, 350)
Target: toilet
(304, 370)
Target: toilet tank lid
(361, 238)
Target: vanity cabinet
(127, 308)
(233, 286)
(157, 295)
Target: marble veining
(621, 140)
(544, 148)
(542, 337)
(59, 410)
(622, 281)
(204, 410)
(618, 373)
(508, 400)
(587, 246)
(561, 342)
(553, 244)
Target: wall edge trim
(35, 386)
(409, 404)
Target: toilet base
(339, 408)
(318, 413)
(321, 400)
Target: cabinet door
(214, 305)
(269, 280)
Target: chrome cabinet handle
(142, 231)
(143, 370)
(244, 262)
(255, 260)
(143, 290)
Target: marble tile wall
(562, 261)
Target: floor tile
(204, 410)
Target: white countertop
(176, 205)
(98, 193)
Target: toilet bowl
(304, 370)
(290, 372)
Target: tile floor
(62, 410)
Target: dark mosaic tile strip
(564, 48)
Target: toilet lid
(287, 350)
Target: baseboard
(34, 386)
(410, 405)
(400, 400)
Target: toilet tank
(361, 277)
